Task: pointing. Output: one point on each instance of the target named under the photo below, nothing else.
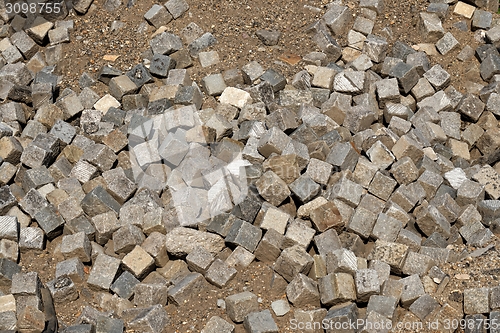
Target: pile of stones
(352, 180)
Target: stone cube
(292, 261)
(31, 238)
(406, 74)
(490, 66)
(124, 285)
(77, 245)
(269, 248)
(99, 201)
(367, 284)
(438, 77)
(73, 268)
(391, 253)
(412, 290)
(341, 261)
(187, 288)
(337, 18)
(240, 258)
(447, 43)
(260, 322)
(213, 84)
(103, 272)
(244, 234)
(165, 43)
(303, 291)
(138, 262)
(158, 16)
(149, 294)
(272, 188)
(200, 260)
(376, 48)
(464, 9)
(126, 238)
(347, 191)
(387, 91)
(218, 325)
(63, 289)
(476, 300)
(240, 305)
(469, 192)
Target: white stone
(455, 177)
(464, 10)
(235, 97)
(105, 103)
(275, 219)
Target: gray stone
(218, 325)
(438, 77)
(469, 192)
(31, 238)
(367, 284)
(186, 289)
(406, 74)
(213, 84)
(99, 201)
(481, 19)
(363, 25)
(376, 5)
(412, 290)
(161, 65)
(149, 294)
(124, 285)
(303, 291)
(376, 48)
(158, 16)
(471, 107)
(260, 322)
(387, 91)
(152, 320)
(50, 220)
(177, 7)
(292, 261)
(201, 43)
(268, 37)
(77, 245)
(238, 306)
(337, 315)
(476, 300)
(384, 305)
(447, 43)
(73, 268)
(430, 27)
(420, 61)
(103, 272)
(275, 79)
(244, 234)
(346, 191)
(165, 43)
(337, 18)
(304, 188)
(63, 289)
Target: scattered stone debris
(353, 180)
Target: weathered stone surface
(182, 241)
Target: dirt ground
(234, 23)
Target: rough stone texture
(182, 241)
